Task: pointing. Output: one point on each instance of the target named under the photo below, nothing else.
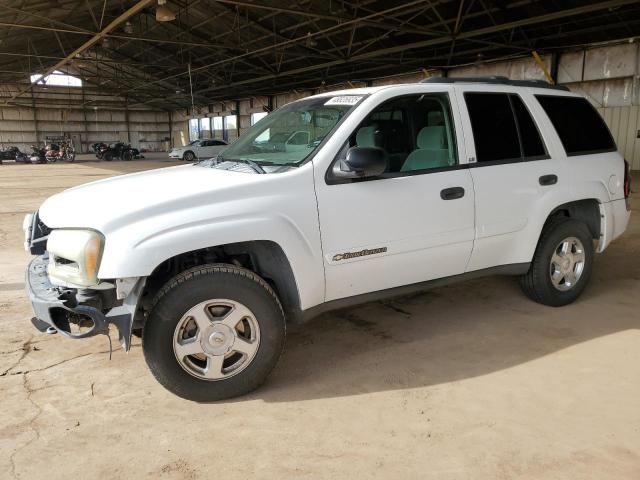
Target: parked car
(198, 149)
(398, 189)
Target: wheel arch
(264, 257)
(586, 210)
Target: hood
(107, 203)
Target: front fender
(132, 251)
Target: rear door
(513, 165)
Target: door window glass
(416, 133)
(494, 129)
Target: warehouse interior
(467, 381)
(218, 66)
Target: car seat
(431, 151)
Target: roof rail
(496, 80)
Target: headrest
(435, 118)
(366, 136)
(431, 137)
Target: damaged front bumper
(94, 310)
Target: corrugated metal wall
(624, 123)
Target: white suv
(394, 189)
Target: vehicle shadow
(451, 333)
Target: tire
(192, 289)
(537, 283)
(127, 156)
(188, 156)
(108, 156)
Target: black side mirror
(361, 162)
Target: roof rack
(496, 80)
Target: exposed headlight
(74, 256)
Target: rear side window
(580, 128)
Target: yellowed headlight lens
(74, 256)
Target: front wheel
(127, 156)
(561, 265)
(188, 156)
(214, 332)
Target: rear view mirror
(361, 162)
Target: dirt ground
(470, 381)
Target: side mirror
(361, 162)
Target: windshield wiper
(255, 166)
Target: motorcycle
(52, 152)
(63, 151)
(38, 155)
(12, 153)
(99, 148)
(122, 151)
(22, 157)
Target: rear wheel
(562, 264)
(214, 332)
(188, 156)
(108, 156)
(127, 155)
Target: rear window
(580, 127)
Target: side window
(532, 146)
(416, 133)
(494, 129)
(580, 128)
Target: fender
(129, 255)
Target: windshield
(291, 133)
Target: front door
(413, 223)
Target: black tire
(198, 285)
(108, 156)
(536, 283)
(127, 156)
(189, 156)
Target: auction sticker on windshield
(344, 100)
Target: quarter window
(532, 146)
(579, 126)
(494, 129)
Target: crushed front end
(76, 310)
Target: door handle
(452, 193)
(546, 180)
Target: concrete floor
(470, 381)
